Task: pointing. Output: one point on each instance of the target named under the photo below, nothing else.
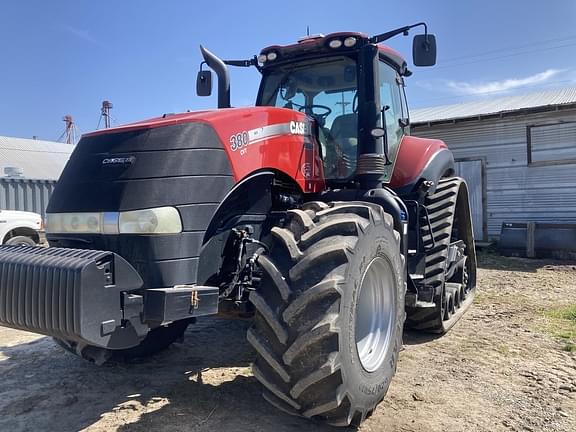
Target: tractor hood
(253, 138)
(188, 162)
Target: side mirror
(204, 83)
(424, 50)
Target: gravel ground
(503, 367)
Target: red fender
(413, 157)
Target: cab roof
(321, 44)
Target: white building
(28, 172)
(518, 154)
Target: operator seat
(344, 133)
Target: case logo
(298, 128)
(119, 161)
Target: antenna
(307, 30)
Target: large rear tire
(329, 312)
(155, 341)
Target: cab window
(326, 90)
(390, 101)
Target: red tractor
(314, 213)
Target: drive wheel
(155, 341)
(329, 312)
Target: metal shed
(517, 153)
(33, 167)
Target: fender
(250, 202)
(242, 205)
(15, 225)
(420, 159)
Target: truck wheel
(329, 312)
(20, 241)
(155, 341)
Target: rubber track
(441, 208)
(296, 339)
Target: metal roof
(484, 107)
(43, 160)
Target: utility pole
(105, 112)
(343, 103)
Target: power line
(510, 48)
(548, 84)
(489, 59)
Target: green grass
(567, 313)
(562, 324)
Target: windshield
(326, 90)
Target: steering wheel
(321, 117)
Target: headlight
(88, 223)
(161, 220)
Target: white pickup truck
(20, 228)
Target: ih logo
(298, 128)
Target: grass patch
(562, 324)
(567, 313)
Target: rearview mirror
(204, 83)
(424, 50)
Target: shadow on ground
(45, 388)
(494, 261)
(414, 337)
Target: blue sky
(65, 57)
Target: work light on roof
(262, 58)
(335, 43)
(349, 42)
(271, 56)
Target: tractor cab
(353, 88)
(337, 80)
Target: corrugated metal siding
(38, 159)
(516, 192)
(25, 195)
(471, 171)
(562, 96)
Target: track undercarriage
(446, 288)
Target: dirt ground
(506, 366)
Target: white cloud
(82, 34)
(502, 86)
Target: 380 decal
(239, 140)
